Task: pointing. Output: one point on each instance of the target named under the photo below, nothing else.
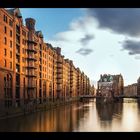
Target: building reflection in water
(62, 119)
(110, 115)
(80, 116)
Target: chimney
(30, 24)
(58, 50)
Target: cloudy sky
(98, 40)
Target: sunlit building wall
(130, 90)
(32, 70)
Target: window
(10, 33)
(10, 65)
(23, 60)
(24, 33)
(5, 52)
(23, 69)
(4, 63)
(10, 54)
(5, 18)
(10, 22)
(5, 40)
(23, 50)
(23, 41)
(10, 44)
(5, 29)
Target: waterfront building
(130, 90)
(110, 86)
(118, 85)
(31, 70)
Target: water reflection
(109, 115)
(80, 116)
(62, 119)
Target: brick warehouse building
(110, 84)
(32, 71)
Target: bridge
(87, 96)
(124, 96)
(120, 96)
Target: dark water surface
(79, 117)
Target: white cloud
(78, 36)
(103, 46)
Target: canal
(78, 117)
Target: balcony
(31, 57)
(17, 52)
(59, 73)
(59, 88)
(31, 86)
(59, 67)
(32, 49)
(31, 74)
(32, 66)
(71, 78)
(17, 29)
(59, 82)
(59, 62)
(32, 42)
(17, 61)
(59, 77)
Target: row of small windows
(45, 76)
(5, 64)
(5, 19)
(44, 69)
(5, 42)
(43, 47)
(50, 65)
(44, 62)
(44, 55)
(5, 53)
(5, 31)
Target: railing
(32, 48)
(32, 65)
(87, 96)
(32, 41)
(32, 57)
(31, 74)
(124, 96)
(31, 85)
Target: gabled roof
(106, 78)
(39, 33)
(15, 11)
